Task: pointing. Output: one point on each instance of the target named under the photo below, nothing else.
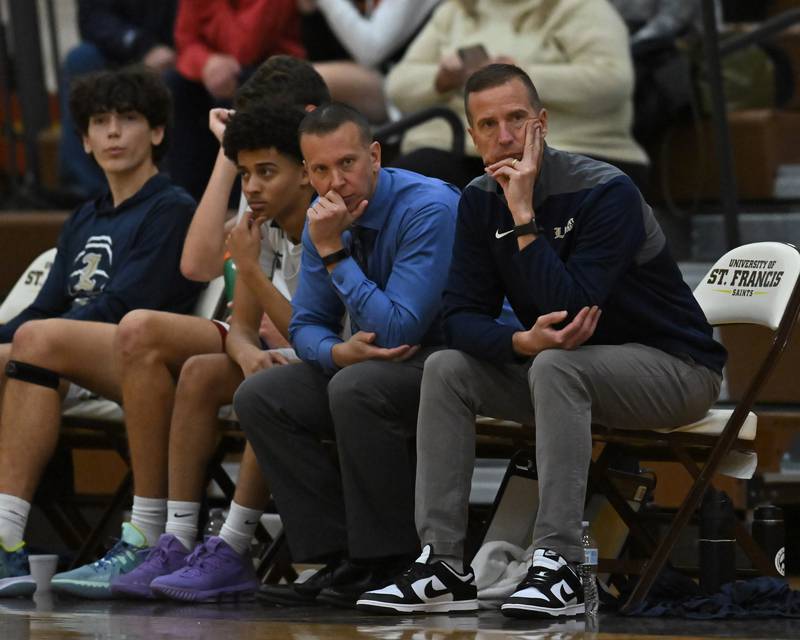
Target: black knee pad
(33, 374)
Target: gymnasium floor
(50, 619)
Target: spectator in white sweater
(575, 51)
(371, 32)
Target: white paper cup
(43, 567)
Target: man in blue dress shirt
(376, 248)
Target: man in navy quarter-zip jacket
(609, 334)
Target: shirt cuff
(345, 274)
(325, 355)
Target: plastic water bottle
(588, 570)
(216, 518)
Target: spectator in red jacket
(219, 43)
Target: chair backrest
(30, 282)
(27, 287)
(208, 304)
(751, 284)
(385, 133)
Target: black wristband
(336, 256)
(527, 228)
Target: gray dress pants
(628, 386)
(365, 506)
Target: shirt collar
(377, 210)
(104, 204)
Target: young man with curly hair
(265, 245)
(117, 253)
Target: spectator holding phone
(576, 51)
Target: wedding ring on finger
(514, 162)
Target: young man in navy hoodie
(562, 237)
(116, 253)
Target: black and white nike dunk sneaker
(433, 587)
(551, 588)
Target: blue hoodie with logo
(111, 260)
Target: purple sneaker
(213, 572)
(167, 556)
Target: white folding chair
(752, 284)
(25, 290)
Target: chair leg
(276, 563)
(88, 548)
(599, 478)
(64, 526)
(216, 472)
(662, 552)
(223, 480)
(690, 504)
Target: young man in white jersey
(265, 245)
(176, 371)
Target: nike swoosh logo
(566, 593)
(431, 592)
(499, 235)
(181, 515)
(251, 521)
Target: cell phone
(473, 56)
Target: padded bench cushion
(83, 404)
(714, 422)
(711, 424)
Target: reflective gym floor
(47, 618)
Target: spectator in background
(663, 69)
(576, 51)
(372, 34)
(219, 43)
(650, 19)
(113, 33)
(294, 80)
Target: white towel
(499, 567)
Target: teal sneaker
(94, 580)
(15, 576)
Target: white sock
(182, 521)
(149, 515)
(13, 518)
(239, 527)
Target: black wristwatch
(336, 256)
(527, 228)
